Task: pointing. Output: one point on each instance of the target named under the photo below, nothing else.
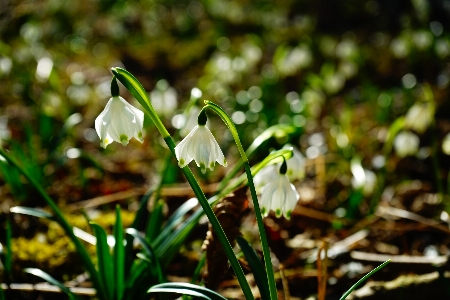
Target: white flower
(406, 143)
(446, 144)
(119, 121)
(201, 146)
(419, 117)
(264, 176)
(164, 98)
(280, 196)
(296, 164)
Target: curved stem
(262, 233)
(138, 91)
(227, 120)
(279, 129)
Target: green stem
(262, 233)
(138, 91)
(279, 129)
(63, 223)
(215, 224)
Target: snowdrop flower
(164, 98)
(279, 195)
(419, 117)
(264, 176)
(119, 121)
(201, 146)
(406, 143)
(446, 144)
(296, 164)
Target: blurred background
(363, 84)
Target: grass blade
(156, 266)
(59, 217)
(119, 258)
(182, 286)
(257, 267)
(364, 279)
(51, 280)
(138, 224)
(105, 263)
(155, 221)
(175, 220)
(35, 212)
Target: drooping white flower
(119, 121)
(279, 195)
(406, 143)
(164, 98)
(446, 144)
(419, 117)
(264, 176)
(296, 164)
(201, 146)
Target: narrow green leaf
(180, 291)
(119, 258)
(257, 267)
(35, 212)
(364, 279)
(105, 262)
(149, 252)
(59, 217)
(172, 286)
(156, 219)
(138, 224)
(51, 280)
(175, 219)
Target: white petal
(280, 196)
(201, 146)
(119, 122)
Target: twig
(287, 294)
(401, 213)
(404, 259)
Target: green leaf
(51, 280)
(149, 252)
(138, 224)
(35, 212)
(59, 217)
(257, 267)
(364, 279)
(175, 219)
(105, 262)
(156, 220)
(186, 289)
(119, 258)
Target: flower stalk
(262, 233)
(138, 91)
